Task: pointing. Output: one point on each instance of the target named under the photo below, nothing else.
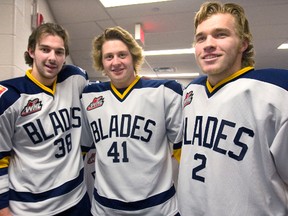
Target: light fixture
(173, 75)
(169, 52)
(164, 69)
(283, 46)
(116, 3)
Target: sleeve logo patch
(3, 89)
(188, 98)
(32, 107)
(97, 102)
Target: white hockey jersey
(41, 166)
(234, 158)
(132, 133)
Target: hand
(5, 212)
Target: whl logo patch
(91, 159)
(32, 107)
(97, 102)
(3, 89)
(188, 98)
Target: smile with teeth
(117, 70)
(210, 56)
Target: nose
(209, 43)
(52, 56)
(115, 60)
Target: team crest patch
(91, 159)
(97, 102)
(3, 89)
(32, 107)
(188, 98)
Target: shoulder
(15, 85)
(278, 77)
(97, 87)
(201, 80)
(170, 84)
(10, 91)
(71, 70)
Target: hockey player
(133, 121)
(235, 147)
(41, 166)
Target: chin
(210, 70)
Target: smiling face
(118, 63)
(218, 48)
(48, 58)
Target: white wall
(15, 22)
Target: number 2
(201, 166)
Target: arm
(173, 115)
(5, 212)
(6, 121)
(279, 150)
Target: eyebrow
(46, 46)
(214, 30)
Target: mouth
(118, 70)
(51, 67)
(211, 56)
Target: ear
(244, 45)
(31, 53)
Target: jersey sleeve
(279, 150)
(279, 146)
(6, 131)
(173, 115)
(86, 136)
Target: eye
(60, 52)
(122, 55)
(108, 57)
(45, 50)
(221, 34)
(200, 39)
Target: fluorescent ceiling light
(283, 46)
(172, 75)
(116, 3)
(169, 52)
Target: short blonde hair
(116, 33)
(242, 25)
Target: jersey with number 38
(41, 170)
(132, 133)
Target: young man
(41, 167)
(234, 153)
(133, 121)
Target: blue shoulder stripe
(278, 77)
(171, 84)
(97, 87)
(69, 70)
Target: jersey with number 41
(132, 133)
(234, 158)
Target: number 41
(113, 152)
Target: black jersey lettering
(135, 127)
(60, 121)
(216, 135)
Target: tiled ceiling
(168, 25)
